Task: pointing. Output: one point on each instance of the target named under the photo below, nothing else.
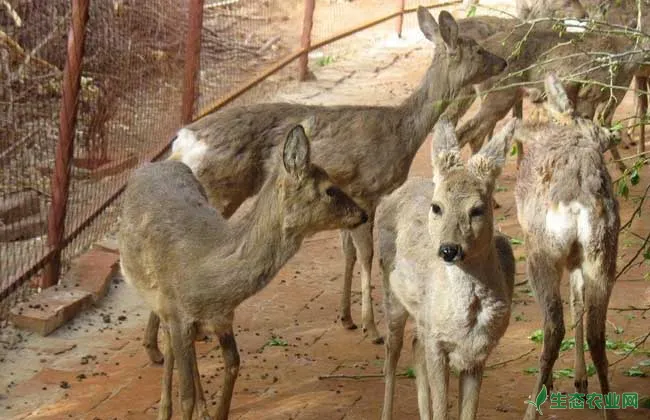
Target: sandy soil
(95, 367)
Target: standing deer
(194, 268)
(569, 216)
(444, 266)
(367, 150)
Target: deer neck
(265, 243)
(420, 111)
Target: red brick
(93, 272)
(47, 311)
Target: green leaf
(623, 189)
(515, 241)
(513, 150)
(537, 336)
(634, 176)
(564, 373)
(531, 370)
(617, 127)
(472, 11)
(410, 373)
(644, 363)
(634, 372)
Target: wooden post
(305, 40)
(192, 59)
(400, 19)
(64, 149)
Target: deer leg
(577, 312)
(350, 253)
(438, 375)
(201, 407)
(165, 412)
(544, 276)
(231, 360)
(599, 281)
(421, 379)
(470, 388)
(495, 106)
(363, 242)
(150, 341)
(182, 340)
(396, 317)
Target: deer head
(311, 200)
(461, 216)
(468, 62)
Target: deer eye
(477, 212)
(332, 191)
(436, 209)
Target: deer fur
(534, 9)
(193, 267)
(367, 150)
(569, 216)
(445, 267)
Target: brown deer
(193, 267)
(228, 150)
(444, 266)
(569, 216)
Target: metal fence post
(192, 59)
(400, 19)
(64, 149)
(305, 40)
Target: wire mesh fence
(128, 108)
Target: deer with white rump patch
(367, 150)
(444, 266)
(194, 268)
(569, 216)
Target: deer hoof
(378, 340)
(581, 385)
(155, 355)
(348, 324)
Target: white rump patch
(189, 149)
(575, 26)
(569, 223)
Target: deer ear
(489, 161)
(445, 154)
(557, 103)
(448, 29)
(428, 25)
(296, 154)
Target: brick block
(93, 272)
(47, 311)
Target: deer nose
(449, 252)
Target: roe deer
(367, 150)
(444, 266)
(569, 216)
(194, 268)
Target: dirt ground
(289, 336)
